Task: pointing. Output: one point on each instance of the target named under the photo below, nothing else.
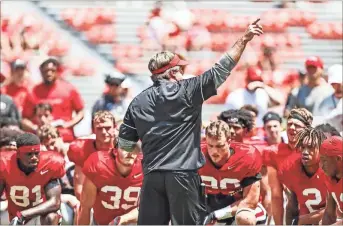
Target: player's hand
(210, 219)
(253, 29)
(255, 85)
(17, 221)
(115, 221)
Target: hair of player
(101, 116)
(160, 60)
(328, 129)
(8, 135)
(304, 114)
(217, 129)
(27, 139)
(309, 137)
(244, 117)
(251, 108)
(55, 62)
(47, 131)
(8, 121)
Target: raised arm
(204, 86)
(231, 58)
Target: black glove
(210, 219)
(115, 221)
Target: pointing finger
(256, 21)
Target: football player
(232, 178)
(331, 158)
(302, 175)
(52, 141)
(30, 179)
(273, 157)
(241, 122)
(112, 186)
(79, 150)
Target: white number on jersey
(119, 194)
(215, 184)
(22, 199)
(336, 200)
(312, 202)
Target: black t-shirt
(166, 117)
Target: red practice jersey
(80, 150)
(116, 195)
(336, 190)
(310, 191)
(274, 155)
(245, 161)
(26, 191)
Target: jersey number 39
(128, 195)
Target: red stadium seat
(106, 15)
(107, 33)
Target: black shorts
(175, 196)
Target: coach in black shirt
(166, 117)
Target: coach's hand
(253, 29)
(210, 219)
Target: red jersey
(80, 150)
(116, 195)
(63, 97)
(26, 191)
(274, 155)
(310, 191)
(245, 161)
(258, 142)
(336, 190)
(18, 93)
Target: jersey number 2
(312, 202)
(118, 195)
(23, 199)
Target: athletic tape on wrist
(223, 213)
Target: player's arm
(311, 218)
(292, 210)
(3, 203)
(265, 191)
(329, 216)
(88, 197)
(52, 204)
(277, 195)
(251, 194)
(129, 218)
(79, 178)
